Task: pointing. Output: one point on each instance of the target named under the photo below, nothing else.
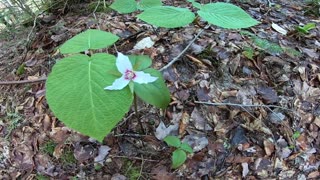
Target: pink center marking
(129, 75)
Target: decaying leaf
(197, 142)
(162, 131)
(103, 152)
(245, 169)
(198, 120)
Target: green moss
(68, 156)
(206, 53)
(131, 171)
(48, 147)
(270, 47)
(14, 121)
(41, 177)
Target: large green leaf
(145, 4)
(89, 39)
(167, 16)
(155, 93)
(140, 62)
(76, 95)
(178, 158)
(124, 6)
(226, 15)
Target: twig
(184, 50)
(243, 105)
(23, 81)
(142, 163)
(130, 135)
(34, 25)
(135, 104)
(94, 13)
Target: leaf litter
(263, 67)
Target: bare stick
(137, 113)
(243, 105)
(142, 163)
(130, 135)
(184, 50)
(23, 81)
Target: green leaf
(145, 4)
(172, 141)
(186, 147)
(156, 93)
(306, 28)
(178, 158)
(296, 134)
(167, 16)
(89, 39)
(124, 6)
(226, 15)
(75, 93)
(140, 62)
(21, 69)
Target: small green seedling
(306, 28)
(296, 135)
(179, 156)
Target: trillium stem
(136, 112)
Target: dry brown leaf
(185, 118)
(245, 169)
(239, 159)
(268, 147)
(314, 175)
(161, 173)
(198, 120)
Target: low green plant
(221, 14)
(306, 28)
(91, 92)
(179, 156)
(267, 46)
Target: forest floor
(247, 101)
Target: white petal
(143, 78)
(123, 63)
(118, 84)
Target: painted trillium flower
(128, 74)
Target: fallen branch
(23, 81)
(184, 50)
